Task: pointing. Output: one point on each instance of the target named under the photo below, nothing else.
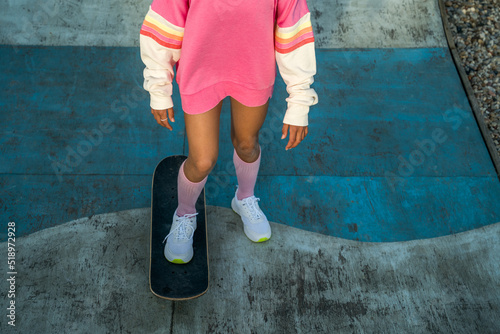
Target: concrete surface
(91, 276)
(336, 23)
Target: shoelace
(182, 228)
(253, 208)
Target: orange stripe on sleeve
(161, 31)
(297, 35)
(159, 41)
(296, 46)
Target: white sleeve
(296, 59)
(160, 46)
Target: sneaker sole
(260, 240)
(177, 261)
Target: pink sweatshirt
(229, 48)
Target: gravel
(475, 26)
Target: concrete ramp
(91, 276)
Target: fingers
(284, 131)
(161, 117)
(297, 134)
(294, 138)
(171, 115)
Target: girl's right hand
(161, 117)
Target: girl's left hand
(297, 134)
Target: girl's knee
(248, 147)
(203, 165)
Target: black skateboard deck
(168, 280)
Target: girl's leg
(245, 125)
(203, 138)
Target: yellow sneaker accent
(262, 239)
(178, 261)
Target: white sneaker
(179, 246)
(255, 224)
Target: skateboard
(168, 280)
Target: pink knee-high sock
(246, 174)
(187, 193)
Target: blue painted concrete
(393, 151)
(378, 104)
(366, 209)
(79, 107)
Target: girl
(226, 48)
